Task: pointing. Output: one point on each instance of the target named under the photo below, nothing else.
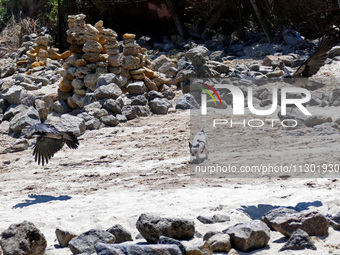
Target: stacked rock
(76, 37)
(108, 38)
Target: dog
(199, 144)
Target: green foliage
(53, 14)
(3, 11)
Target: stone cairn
(95, 51)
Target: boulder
(220, 242)
(270, 216)
(187, 101)
(314, 223)
(85, 243)
(159, 61)
(61, 106)
(12, 96)
(70, 123)
(18, 145)
(200, 50)
(160, 105)
(112, 105)
(141, 110)
(107, 91)
(109, 120)
(213, 219)
(129, 248)
(152, 227)
(199, 248)
(249, 235)
(136, 87)
(26, 118)
(23, 238)
(129, 112)
(64, 237)
(314, 120)
(168, 240)
(299, 240)
(91, 122)
(121, 234)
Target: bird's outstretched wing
(313, 64)
(70, 139)
(46, 146)
(42, 128)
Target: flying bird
(313, 64)
(49, 141)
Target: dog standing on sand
(199, 144)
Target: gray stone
(23, 119)
(270, 216)
(13, 110)
(154, 94)
(27, 98)
(168, 240)
(141, 111)
(38, 79)
(314, 120)
(222, 68)
(78, 83)
(199, 248)
(187, 101)
(108, 78)
(129, 112)
(299, 240)
(198, 60)
(121, 234)
(85, 243)
(69, 123)
(139, 100)
(30, 86)
(249, 235)
(217, 218)
(112, 106)
(152, 227)
(137, 249)
(160, 105)
(64, 237)
(136, 87)
(220, 242)
(107, 91)
(169, 94)
(19, 145)
(121, 118)
(210, 234)
(109, 120)
(60, 106)
(334, 221)
(23, 238)
(12, 96)
(334, 52)
(200, 50)
(8, 70)
(3, 105)
(159, 61)
(91, 122)
(314, 223)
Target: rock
(210, 234)
(169, 94)
(270, 216)
(130, 62)
(29, 86)
(108, 78)
(12, 96)
(314, 223)
(139, 100)
(61, 106)
(8, 70)
(107, 91)
(129, 112)
(121, 118)
(198, 60)
(85, 243)
(3, 105)
(199, 248)
(219, 243)
(299, 240)
(168, 240)
(334, 52)
(287, 60)
(213, 219)
(109, 120)
(200, 50)
(92, 46)
(90, 81)
(64, 237)
(121, 234)
(19, 145)
(14, 110)
(43, 109)
(91, 122)
(159, 61)
(23, 238)
(26, 118)
(150, 84)
(222, 68)
(129, 248)
(112, 106)
(217, 55)
(249, 235)
(69, 123)
(187, 101)
(160, 105)
(136, 87)
(314, 120)
(152, 227)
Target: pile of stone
(178, 235)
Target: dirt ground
(143, 166)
